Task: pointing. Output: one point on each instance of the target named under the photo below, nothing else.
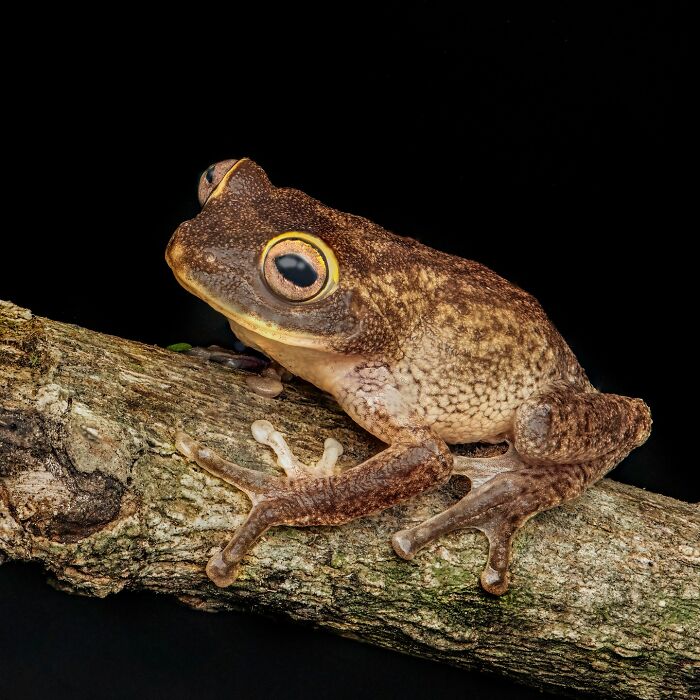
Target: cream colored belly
(455, 431)
(467, 415)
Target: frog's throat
(258, 326)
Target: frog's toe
(222, 568)
(265, 385)
(221, 573)
(402, 544)
(264, 432)
(252, 482)
(269, 382)
(494, 581)
(275, 498)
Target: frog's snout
(175, 251)
(193, 264)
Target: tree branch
(605, 594)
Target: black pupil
(209, 175)
(296, 269)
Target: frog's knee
(643, 421)
(533, 426)
(438, 452)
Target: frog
(421, 348)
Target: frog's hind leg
(566, 440)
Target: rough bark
(605, 594)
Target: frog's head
(280, 264)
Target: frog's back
(473, 346)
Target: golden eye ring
(299, 267)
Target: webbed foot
(498, 508)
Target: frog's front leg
(564, 441)
(415, 460)
(256, 485)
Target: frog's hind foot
(497, 508)
(270, 495)
(480, 469)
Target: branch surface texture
(605, 591)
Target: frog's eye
(211, 177)
(298, 266)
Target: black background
(553, 148)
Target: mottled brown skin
(421, 349)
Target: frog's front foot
(265, 433)
(276, 500)
(268, 380)
(229, 358)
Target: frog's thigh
(564, 425)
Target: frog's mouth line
(266, 329)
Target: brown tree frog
(421, 348)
